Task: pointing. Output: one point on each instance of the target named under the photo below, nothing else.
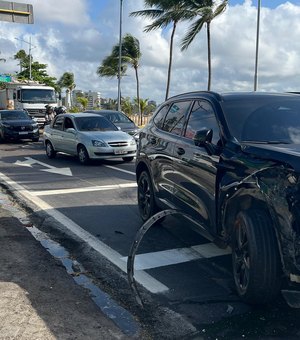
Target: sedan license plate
(120, 152)
(23, 133)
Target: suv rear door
(161, 138)
(195, 168)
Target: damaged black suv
(231, 162)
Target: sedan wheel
(50, 152)
(83, 155)
(146, 202)
(255, 257)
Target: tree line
(163, 13)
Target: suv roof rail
(192, 93)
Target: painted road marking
(86, 189)
(122, 170)
(141, 277)
(176, 256)
(60, 171)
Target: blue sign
(4, 78)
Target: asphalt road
(177, 270)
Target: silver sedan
(88, 136)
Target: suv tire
(146, 200)
(255, 257)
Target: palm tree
(127, 106)
(23, 59)
(142, 104)
(164, 13)
(67, 81)
(207, 11)
(110, 67)
(131, 55)
(83, 101)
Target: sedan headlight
(99, 143)
(133, 142)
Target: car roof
(78, 114)
(105, 111)
(224, 96)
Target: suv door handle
(180, 151)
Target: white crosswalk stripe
(175, 256)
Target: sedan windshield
(264, 119)
(116, 117)
(14, 115)
(96, 123)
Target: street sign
(4, 78)
(16, 12)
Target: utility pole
(257, 45)
(120, 57)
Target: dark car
(231, 162)
(17, 124)
(119, 119)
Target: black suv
(231, 162)
(17, 124)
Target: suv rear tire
(146, 200)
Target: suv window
(202, 117)
(58, 124)
(160, 116)
(175, 117)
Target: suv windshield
(265, 119)
(14, 115)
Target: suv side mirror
(204, 138)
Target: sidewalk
(38, 299)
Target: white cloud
(73, 36)
(66, 12)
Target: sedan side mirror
(204, 138)
(71, 130)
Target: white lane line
(143, 278)
(122, 170)
(175, 256)
(86, 189)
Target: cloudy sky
(75, 36)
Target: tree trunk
(208, 57)
(170, 60)
(138, 95)
(68, 98)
